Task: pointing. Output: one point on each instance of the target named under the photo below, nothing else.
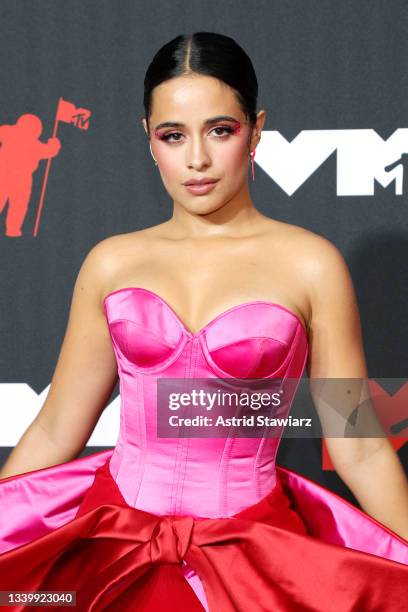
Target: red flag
(69, 113)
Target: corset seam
(122, 432)
(193, 369)
(179, 448)
(121, 442)
(141, 416)
(257, 473)
(294, 393)
(224, 480)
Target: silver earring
(152, 154)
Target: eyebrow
(209, 121)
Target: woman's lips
(198, 189)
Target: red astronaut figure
(20, 153)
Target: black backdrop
(322, 67)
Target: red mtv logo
(21, 151)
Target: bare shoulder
(318, 257)
(106, 251)
(328, 282)
(324, 264)
(316, 267)
(106, 258)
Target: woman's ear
(144, 122)
(255, 135)
(260, 121)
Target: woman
(219, 290)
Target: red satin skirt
(119, 558)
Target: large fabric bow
(246, 564)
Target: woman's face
(202, 145)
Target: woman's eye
(167, 137)
(175, 136)
(226, 129)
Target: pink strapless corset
(200, 477)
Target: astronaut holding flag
(21, 150)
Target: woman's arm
(83, 380)
(368, 465)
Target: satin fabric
(120, 558)
(201, 481)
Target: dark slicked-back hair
(206, 53)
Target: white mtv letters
(362, 156)
(19, 405)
